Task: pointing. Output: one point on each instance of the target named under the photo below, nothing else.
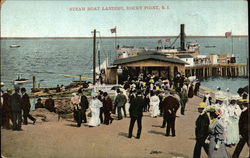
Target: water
(49, 59)
(232, 83)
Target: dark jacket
(16, 102)
(50, 104)
(25, 102)
(6, 103)
(170, 105)
(202, 126)
(120, 100)
(243, 124)
(191, 92)
(136, 107)
(84, 103)
(107, 105)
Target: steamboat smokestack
(182, 37)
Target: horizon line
(118, 37)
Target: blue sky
(32, 18)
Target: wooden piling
(34, 82)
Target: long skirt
(95, 119)
(217, 153)
(154, 110)
(232, 131)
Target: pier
(222, 69)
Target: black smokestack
(182, 37)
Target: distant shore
(119, 37)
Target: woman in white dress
(154, 104)
(234, 112)
(95, 105)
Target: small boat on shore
(14, 46)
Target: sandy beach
(63, 139)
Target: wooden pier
(225, 70)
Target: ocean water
(50, 59)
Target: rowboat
(14, 46)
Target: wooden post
(34, 82)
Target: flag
(113, 30)
(168, 40)
(159, 41)
(228, 34)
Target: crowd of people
(221, 124)
(15, 108)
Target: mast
(99, 58)
(94, 53)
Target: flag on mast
(228, 34)
(113, 30)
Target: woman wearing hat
(234, 112)
(95, 105)
(215, 139)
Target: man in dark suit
(84, 103)
(201, 131)
(170, 106)
(107, 108)
(120, 102)
(136, 112)
(25, 104)
(243, 129)
(15, 102)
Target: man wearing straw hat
(243, 128)
(201, 131)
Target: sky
(37, 18)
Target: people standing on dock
(95, 105)
(136, 113)
(58, 89)
(107, 109)
(243, 128)
(207, 98)
(39, 104)
(215, 139)
(15, 102)
(75, 100)
(50, 104)
(6, 109)
(154, 104)
(190, 91)
(100, 97)
(84, 103)
(25, 104)
(170, 106)
(120, 102)
(197, 87)
(201, 131)
(234, 112)
(183, 99)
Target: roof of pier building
(150, 57)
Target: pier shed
(148, 63)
